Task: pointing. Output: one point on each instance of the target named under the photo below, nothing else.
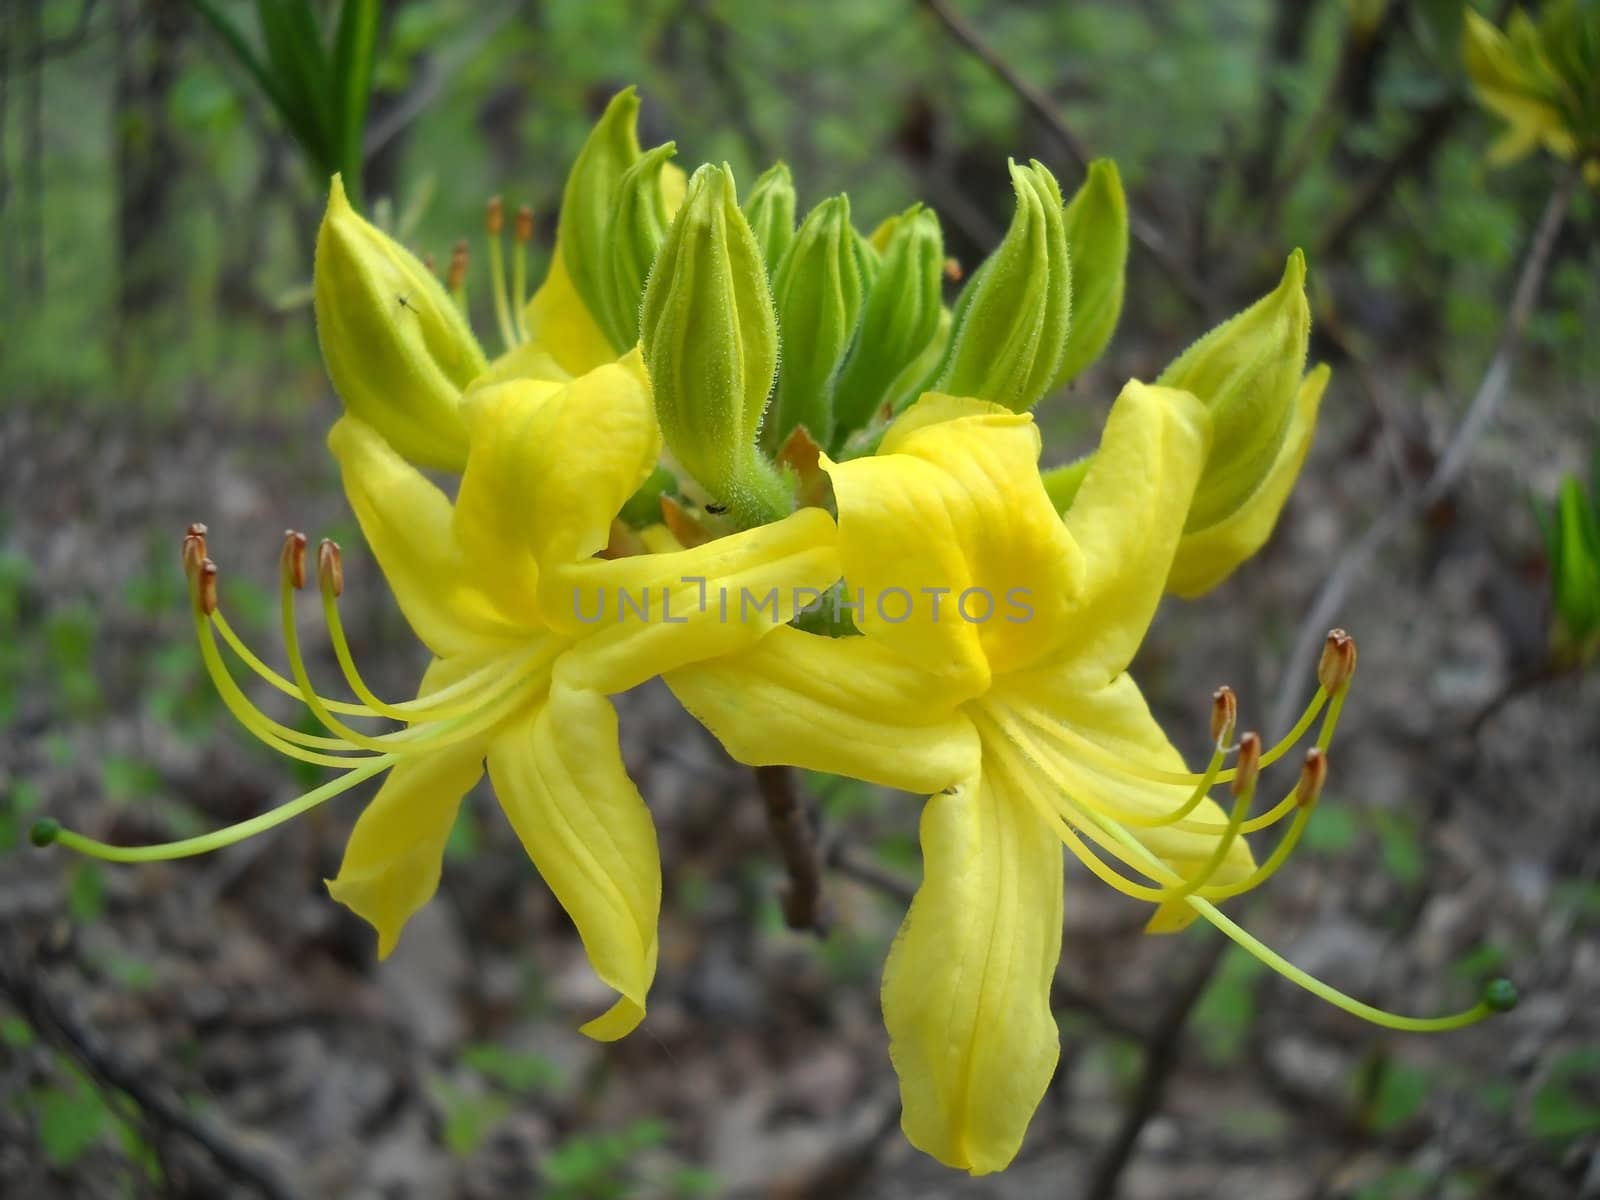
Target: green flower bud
(710, 341)
(639, 220)
(397, 348)
(1247, 373)
(1012, 319)
(589, 198)
(818, 289)
(770, 211)
(899, 320)
(1097, 244)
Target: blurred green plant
(1571, 527)
(320, 87)
(1565, 1107)
(595, 1166)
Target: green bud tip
(44, 832)
(1500, 995)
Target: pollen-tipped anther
(293, 558)
(1224, 715)
(208, 587)
(194, 548)
(1313, 774)
(524, 226)
(1249, 764)
(456, 279)
(495, 216)
(330, 567)
(1338, 662)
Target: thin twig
(793, 824)
(1161, 1054)
(246, 1166)
(1038, 103)
(1348, 567)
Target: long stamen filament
(1244, 792)
(497, 274)
(46, 832)
(523, 231)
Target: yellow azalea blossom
(530, 633)
(992, 674)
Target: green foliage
(16, 813)
(521, 1071)
(595, 1166)
(470, 1118)
(86, 899)
(319, 84)
(1227, 1010)
(1567, 1104)
(1389, 1092)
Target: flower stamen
(494, 224)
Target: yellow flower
(530, 633)
(992, 674)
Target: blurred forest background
(219, 1027)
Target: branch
(793, 823)
(1038, 103)
(244, 1165)
(1161, 1054)
(1348, 567)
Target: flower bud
(1097, 245)
(589, 199)
(898, 321)
(1011, 322)
(710, 340)
(1246, 372)
(770, 211)
(397, 348)
(818, 288)
(639, 222)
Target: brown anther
(1224, 715)
(293, 558)
(208, 587)
(458, 267)
(952, 270)
(330, 567)
(1249, 765)
(194, 548)
(430, 264)
(1338, 662)
(495, 219)
(524, 226)
(1312, 776)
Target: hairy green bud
(397, 348)
(1012, 320)
(818, 288)
(710, 340)
(898, 322)
(1097, 244)
(770, 210)
(639, 220)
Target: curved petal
(1116, 721)
(843, 705)
(644, 615)
(561, 781)
(1127, 519)
(527, 361)
(1206, 557)
(964, 565)
(392, 861)
(407, 522)
(966, 990)
(548, 467)
(559, 323)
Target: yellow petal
(644, 615)
(550, 466)
(561, 781)
(559, 324)
(843, 705)
(1126, 520)
(527, 361)
(963, 562)
(407, 523)
(966, 990)
(392, 861)
(1116, 720)
(1206, 557)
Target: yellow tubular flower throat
(530, 633)
(993, 677)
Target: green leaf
(86, 899)
(71, 1120)
(515, 1070)
(16, 1033)
(469, 1119)
(1227, 1009)
(1400, 848)
(1391, 1092)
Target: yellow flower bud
(397, 348)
